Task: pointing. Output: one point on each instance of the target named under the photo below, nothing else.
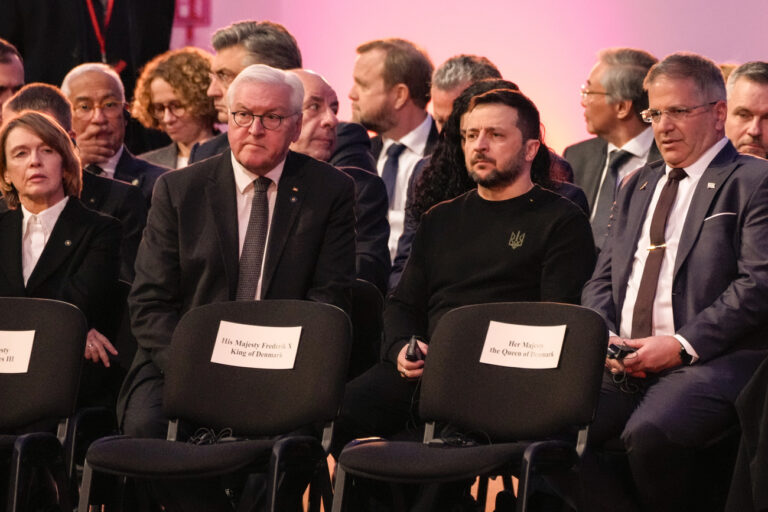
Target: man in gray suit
(682, 279)
(613, 98)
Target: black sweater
(535, 247)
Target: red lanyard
(97, 28)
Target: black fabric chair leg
(482, 490)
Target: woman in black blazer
(51, 246)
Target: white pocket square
(718, 215)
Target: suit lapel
(126, 170)
(10, 251)
(290, 196)
(222, 205)
(65, 238)
(706, 190)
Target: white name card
(15, 350)
(523, 346)
(256, 346)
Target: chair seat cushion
(398, 461)
(158, 458)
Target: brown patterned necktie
(255, 240)
(642, 316)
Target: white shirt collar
(244, 178)
(110, 165)
(697, 168)
(47, 217)
(415, 140)
(639, 146)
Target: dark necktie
(607, 194)
(389, 174)
(94, 169)
(642, 316)
(255, 240)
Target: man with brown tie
(682, 280)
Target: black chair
(256, 404)
(367, 304)
(522, 414)
(41, 398)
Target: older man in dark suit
(683, 280)
(99, 118)
(257, 222)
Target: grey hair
(755, 71)
(462, 69)
(705, 74)
(623, 77)
(266, 43)
(91, 67)
(261, 74)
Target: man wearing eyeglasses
(613, 98)
(98, 120)
(683, 280)
(256, 222)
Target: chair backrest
(258, 402)
(49, 387)
(503, 403)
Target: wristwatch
(685, 357)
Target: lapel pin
(295, 189)
(710, 185)
(293, 199)
(642, 187)
(135, 182)
(67, 242)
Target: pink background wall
(547, 47)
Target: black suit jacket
(79, 264)
(189, 254)
(720, 282)
(371, 227)
(588, 160)
(123, 202)
(353, 148)
(139, 173)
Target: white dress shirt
(110, 165)
(415, 145)
(663, 320)
(639, 148)
(244, 185)
(35, 231)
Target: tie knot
(261, 184)
(394, 150)
(618, 157)
(94, 169)
(676, 174)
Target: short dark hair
(705, 74)
(461, 69)
(7, 51)
(405, 63)
(528, 120)
(267, 43)
(46, 98)
(755, 71)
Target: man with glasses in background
(256, 222)
(682, 280)
(613, 98)
(99, 117)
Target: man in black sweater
(508, 240)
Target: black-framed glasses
(653, 115)
(157, 110)
(269, 121)
(586, 93)
(86, 109)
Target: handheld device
(620, 351)
(413, 352)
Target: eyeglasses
(158, 109)
(86, 109)
(268, 121)
(585, 92)
(653, 115)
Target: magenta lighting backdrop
(547, 47)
